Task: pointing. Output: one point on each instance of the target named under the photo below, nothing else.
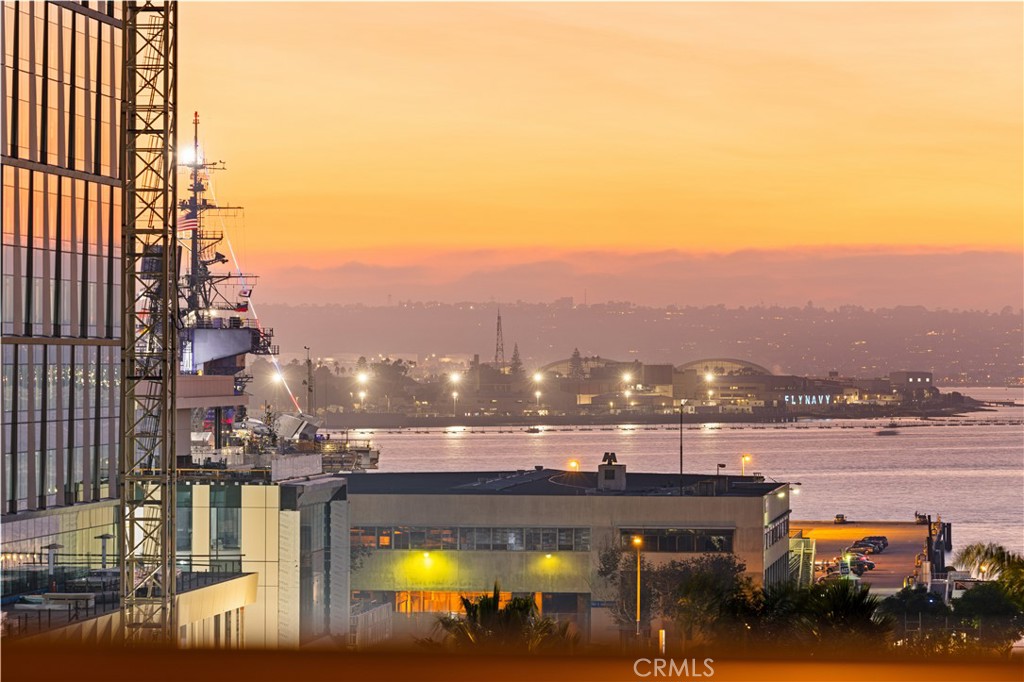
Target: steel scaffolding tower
(149, 357)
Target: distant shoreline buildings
(595, 388)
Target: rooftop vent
(610, 475)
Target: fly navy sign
(808, 399)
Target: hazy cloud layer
(967, 280)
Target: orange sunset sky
(397, 135)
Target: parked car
(864, 547)
(877, 546)
(841, 518)
(865, 563)
(878, 538)
(852, 556)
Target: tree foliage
(993, 614)
(515, 368)
(516, 627)
(995, 562)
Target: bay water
(967, 469)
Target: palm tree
(988, 561)
(516, 626)
(994, 562)
(842, 614)
(781, 615)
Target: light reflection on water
(970, 475)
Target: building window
(504, 539)
(225, 517)
(225, 528)
(680, 540)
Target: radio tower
(499, 348)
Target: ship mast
(200, 284)
(195, 187)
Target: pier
(907, 540)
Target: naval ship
(217, 329)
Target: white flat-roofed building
(425, 539)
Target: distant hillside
(961, 347)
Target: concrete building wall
(260, 555)
(527, 571)
(341, 575)
(204, 616)
(603, 513)
(288, 600)
(554, 572)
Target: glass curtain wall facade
(61, 253)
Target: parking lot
(906, 540)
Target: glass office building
(61, 272)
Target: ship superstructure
(216, 330)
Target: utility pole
(310, 406)
(681, 403)
(149, 352)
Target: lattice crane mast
(149, 352)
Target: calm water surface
(969, 470)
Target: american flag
(188, 223)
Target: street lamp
(362, 379)
(362, 400)
(743, 463)
(278, 378)
(51, 557)
(455, 378)
(536, 394)
(637, 542)
(103, 548)
(308, 383)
